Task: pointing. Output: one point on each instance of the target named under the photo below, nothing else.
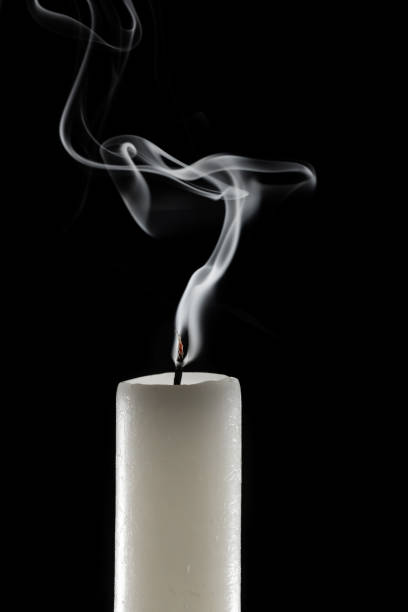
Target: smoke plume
(131, 160)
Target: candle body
(178, 494)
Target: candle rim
(165, 379)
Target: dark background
(92, 298)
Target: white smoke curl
(131, 159)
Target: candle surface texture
(178, 494)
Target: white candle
(178, 494)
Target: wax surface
(178, 494)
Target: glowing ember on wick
(179, 361)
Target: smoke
(132, 160)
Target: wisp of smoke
(130, 159)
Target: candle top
(189, 378)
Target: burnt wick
(178, 373)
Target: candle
(178, 494)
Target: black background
(92, 298)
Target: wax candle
(178, 494)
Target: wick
(178, 373)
